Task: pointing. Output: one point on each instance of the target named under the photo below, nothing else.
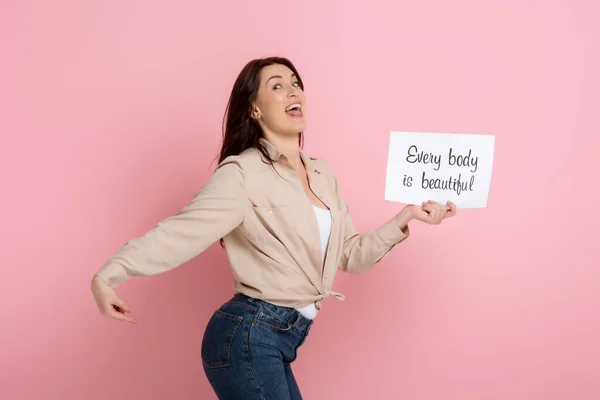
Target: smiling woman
(258, 106)
(285, 226)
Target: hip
(242, 327)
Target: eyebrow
(278, 76)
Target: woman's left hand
(429, 212)
(434, 213)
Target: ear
(255, 112)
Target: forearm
(362, 251)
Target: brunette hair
(240, 130)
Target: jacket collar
(274, 153)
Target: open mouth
(295, 110)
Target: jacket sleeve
(214, 211)
(361, 251)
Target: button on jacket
(269, 229)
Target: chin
(300, 126)
(293, 130)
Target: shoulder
(325, 169)
(247, 162)
(323, 166)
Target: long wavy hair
(240, 130)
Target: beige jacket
(269, 229)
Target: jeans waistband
(290, 314)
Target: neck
(288, 146)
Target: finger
(442, 209)
(430, 203)
(122, 317)
(433, 206)
(427, 207)
(438, 215)
(452, 208)
(433, 213)
(438, 206)
(122, 305)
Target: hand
(109, 303)
(433, 212)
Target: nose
(293, 91)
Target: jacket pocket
(218, 337)
(274, 222)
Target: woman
(286, 229)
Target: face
(280, 103)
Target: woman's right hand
(109, 303)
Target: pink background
(110, 119)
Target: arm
(362, 251)
(214, 211)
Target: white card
(440, 167)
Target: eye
(277, 86)
(296, 84)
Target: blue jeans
(248, 348)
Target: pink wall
(110, 118)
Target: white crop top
(324, 221)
